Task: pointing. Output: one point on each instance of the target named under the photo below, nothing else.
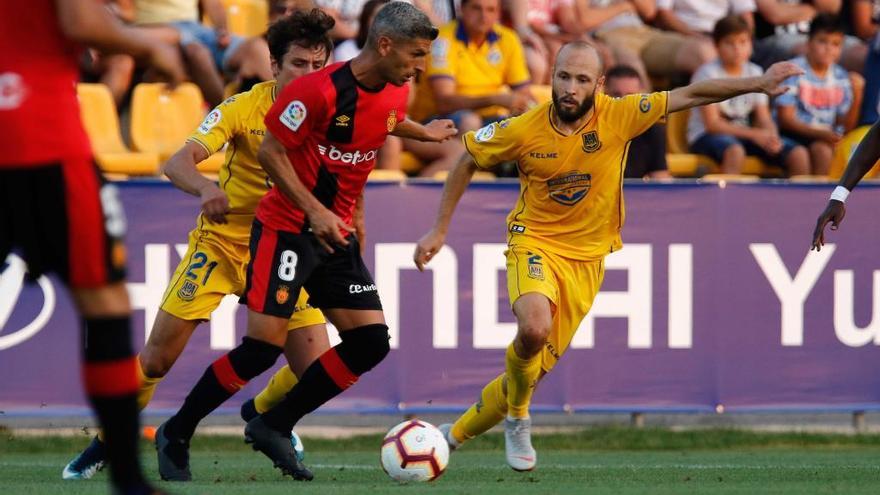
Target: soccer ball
(414, 451)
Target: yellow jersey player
(571, 154)
(214, 265)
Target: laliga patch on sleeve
(439, 52)
(485, 133)
(210, 121)
(294, 115)
(644, 104)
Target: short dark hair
(622, 72)
(306, 29)
(826, 23)
(730, 25)
(401, 21)
(364, 21)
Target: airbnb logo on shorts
(349, 158)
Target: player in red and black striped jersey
(55, 211)
(324, 132)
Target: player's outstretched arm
(434, 131)
(326, 226)
(864, 158)
(715, 90)
(89, 23)
(456, 182)
(181, 169)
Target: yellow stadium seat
(844, 151)
(212, 164)
(161, 119)
(378, 174)
(98, 113)
(410, 163)
(541, 92)
(247, 17)
(683, 164)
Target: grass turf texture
(596, 461)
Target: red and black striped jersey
(39, 112)
(332, 127)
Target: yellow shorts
(213, 268)
(571, 286)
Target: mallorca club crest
(392, 120)
(282, 294)
(591, 141)
(570, 188)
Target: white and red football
(414, 450)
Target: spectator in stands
(870, 111)
(114, 70)
(824, 102)
(349, 49)
(621, 24)
(781, 28)
(864, 17)
(743, 126)
(472, 63)
(282, 8)
(207, 50)
(647, 153)
(698, 17)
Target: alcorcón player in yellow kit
(571, 154)
(214, 265)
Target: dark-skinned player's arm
(715, 90)
(89, 23)
(434, 131)
(864, 158)
(456, 183)
(324, 223)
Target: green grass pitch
(596, 461)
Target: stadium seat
(410, 163)
(161, 119)
(247, 17)
(844, 150)
(98, 113)
(541, 92)
(378, 174)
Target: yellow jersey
(238, 121)
(571, 187)
(478, 70)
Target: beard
(569, 116)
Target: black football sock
(111, 383)
(226, 376)
(337, 369)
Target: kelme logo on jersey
(570, 188)
(536, 268)
(591, 141)
(187, 290)
(485, 133)
(210, 121)
(348, 157)
(294, 115)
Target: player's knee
(365, 347)
(153, 363)
(532, 334)
(253, 357)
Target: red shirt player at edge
(323, 133)
(55, 212)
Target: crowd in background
(493, 60)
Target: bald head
(580, 55)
